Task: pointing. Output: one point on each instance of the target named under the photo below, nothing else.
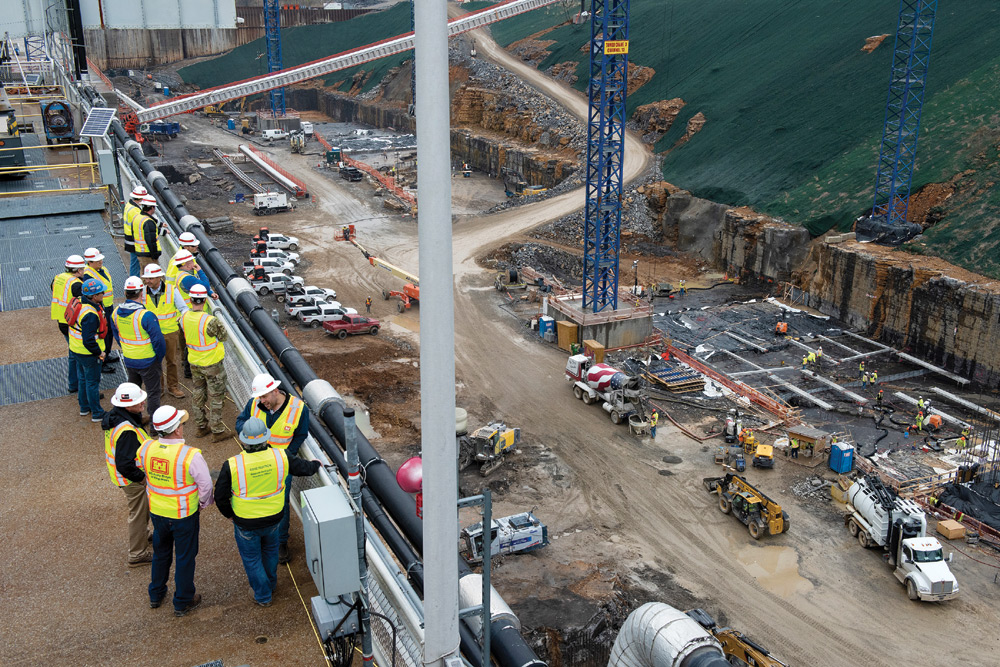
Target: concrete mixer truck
(618, 393)
(880, 518)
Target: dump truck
(620, 395)
(737, 496)
(519, 533)
(880, 518)
(487, 445)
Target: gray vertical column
(437, 333)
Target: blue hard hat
(92, 287)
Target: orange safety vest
(284, 426)
(111, 442)
(171, 489)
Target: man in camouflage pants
(204, 336)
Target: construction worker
(129, 213)
(145, 231)
(683, 288)
(189, 244)
(142, 343)
(164, 300)
(864, 379)
(287, 419)
(961, 442)
(85, 348)
(123, 435)
(252, 491)
(920, 421)
(95, 269)
(67, 285)
(861, 368)
(965, 432)
(652, 423)
(204, 336)
(805, 360)
(812, 357)
(879, 398)
(178, 484)
(368, 305)
(795, 448)
(873, 378)
(921, 404)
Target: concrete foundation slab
(630, 324)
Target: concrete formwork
(628, 325)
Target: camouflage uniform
(210, 386)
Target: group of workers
(167, 481)
(811, 358)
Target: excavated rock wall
(346, 109)
(491, 157)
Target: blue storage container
(841, 457)
(545, 325)
(166, 91)
(231, 124)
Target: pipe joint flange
(470, 594)
(130, 144)
(155, 175)
(237, 286)
(318, 393)
(188, 221)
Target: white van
(271, 135)
(307, 128)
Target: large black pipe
(509, 648)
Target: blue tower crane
(605, 152)
(898, 152)
(272, 37)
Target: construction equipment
(763, 456)
(409, 295)
(743, 500)
(620, 394)
(161, 129)
(57, 117)
(214, 111)
(11, 155)
(508, 280)
(739, 649)
(266, 203)
(734, 424)
(731, 456)
(881, 518)
(519, 533)
(488, 445)
(297, 140)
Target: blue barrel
(231, 124)
(166, 91)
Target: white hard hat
(183, 257)
(133, 283)
(148, 201)
(75, 262)
(92, 255)
(187, 238)
(198, 291)
(263, 384)
(128, 394)
(167, 418)
(152, 271)
(139, 193)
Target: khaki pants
(138, 519)
(171, 359)
(146, 261)
(209, 396)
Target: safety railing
(62, 178)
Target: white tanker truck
(619, 394)
(899, 527)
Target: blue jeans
(283, 524)
(170, 535)
(259, 551)
(133, 265)
(88, 371)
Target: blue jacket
(270, 417)
(151, 326)
(198, 279)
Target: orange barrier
(300, 187)
(387, 182)
(323, 142)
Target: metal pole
(487, 565)
(354, 486)
(437, 329)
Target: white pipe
(437, 334)
(657, 635)
(282, 180)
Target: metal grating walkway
(39, 380)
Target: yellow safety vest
(203, 350)
(284, 426)
(171, 489)
(136, 343)
(109, 289)
(165, 311)
(62, 292)
(139, 225)
(111, 442)
(128, 217)
(176, 280)
(172, 269)
(258, 483)
(655, 419)
(76, 331)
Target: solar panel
(98, 121)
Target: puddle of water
(408, 323)
(775, 568)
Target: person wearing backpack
(138, 333)
(86, 329)
(65, 287)
(95, 269)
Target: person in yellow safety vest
(164, 300)
(683, 287)
(66, 285)
(368, 306)
(861, 369)
(795, 448)
(188, 242)
(879, 397)
(873, 378)
(85, 348)
(178, 484)
(95, 269)
(138, 333)
(287, 418)
(864, 379)
(204, 336)
(805, 360)
(653, 421)
(920, 403)
(961, 442)
(252, 491)
(920, 421)
(146, 233)
(129, 214)
(965, 432)
(123, 435)
(811, 357)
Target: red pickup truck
(352, 324)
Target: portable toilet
(841, 457)
(546, 324)
(231, 124)
(166, 91)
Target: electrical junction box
(106, 164)
(328, 525)
(331, 616)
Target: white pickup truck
(310, 293)
(282, 242)
(280, 255)
(277, 283)
(293, 308)
(329, 311)
(270, 266)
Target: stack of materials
(675, 379)
(219, 225)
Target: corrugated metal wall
(253, 19)
(138, 49)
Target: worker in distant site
(879, 398)
(129, 214)
(95, 269)
(164, 300)
(805, 360)
(146, 233)
(921, 404)
(873, 378)
(85, 348)
(864, 379)
(123, 435)
(252, 491)
(66, 285)
(178, 484)
(795, 448)
(652, 423)
(187, 275)
(682, 285)
(965, 432)
(812, 357)
(204, 336)
(961, 442)
(920, 421)
(861, 368)
(287, 418)
(368, 305)
(138, 333)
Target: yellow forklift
(760, 514)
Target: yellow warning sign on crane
(616, 47)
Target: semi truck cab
(923, 569)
